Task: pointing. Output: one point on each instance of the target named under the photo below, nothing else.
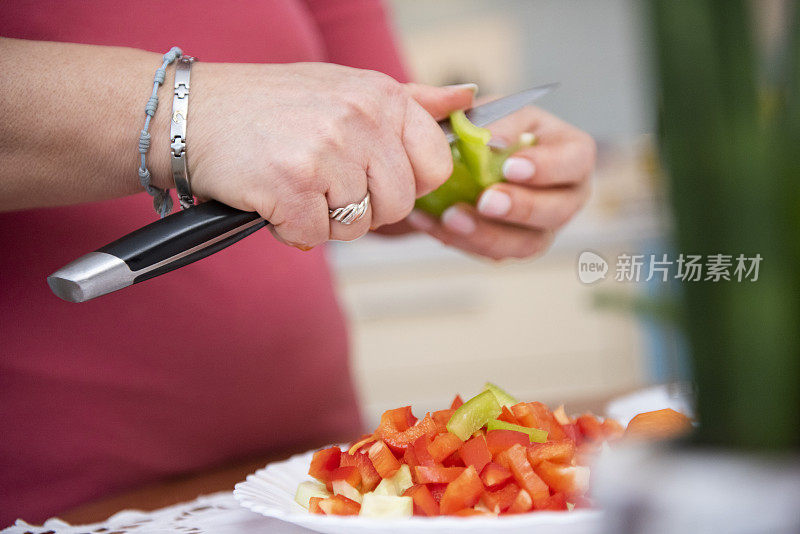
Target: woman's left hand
(546, 184)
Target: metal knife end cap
(90, 276)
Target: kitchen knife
(199, 231)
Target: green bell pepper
(473, 415)
(475, 167)
(536, 435)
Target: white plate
(270, 492)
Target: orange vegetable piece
(324, 462)
(463, 492)
(382, 458)
(500, 440)
(339, 505)
(524, 415)
(420, 447)
(571, 480)
(424, 503)
(444, 445)
(349, 474)
(546, 420)
(500, 500)
(657, 425)
(369, 476)
(612, 430)
(522, 503)
(507, 416)
(523, 473)
(554, 451)
(476, 453)
(435, 474)
(471, 512)
(400, 440)
(457, 402)
(590, 427)
(557, 501)
(494, 474)
(313, 505)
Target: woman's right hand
(293, 141)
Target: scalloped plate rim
(301, 517)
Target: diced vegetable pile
(490, 455)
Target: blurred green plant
(734, 178)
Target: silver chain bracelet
(177, 131)
(162, 202)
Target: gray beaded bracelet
(162, 201)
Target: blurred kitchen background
(428, 321)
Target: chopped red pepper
(410, 457)
(424, 503)
(553, 451)
(324, 462)
(401, 439)
(557, 501)
(547, 421)
(435, 474)
(507, 416)
(522, 503)
(421, 451)
(339, 505)
(454, 460)
(463, 492)
(313, 505)
(523, 473)
(590, 427)
(443, 446)
(369, 476)
(500, 500)
(494, 475)
(572, 480)
(437, 490)
(349, 474)
(441, 417)
(476, 453)
(456, 402)
(382, 458)
(501, 440)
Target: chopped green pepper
(536, 435)
(503, 397)
(473, 414)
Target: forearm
(71, 121)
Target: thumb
(441, 101)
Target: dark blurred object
(734, 169)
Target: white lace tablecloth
(219, 513)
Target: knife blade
(199, 231)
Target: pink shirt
(237, 355)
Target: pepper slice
(536, 435)
(473, 414)
(475, 167)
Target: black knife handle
(162, 246)
(182, 232)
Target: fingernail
(498, 142)
(456, 220)
(420, 221)
(471, 86)
(494, 203)
(518, 169)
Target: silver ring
(350, 213)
